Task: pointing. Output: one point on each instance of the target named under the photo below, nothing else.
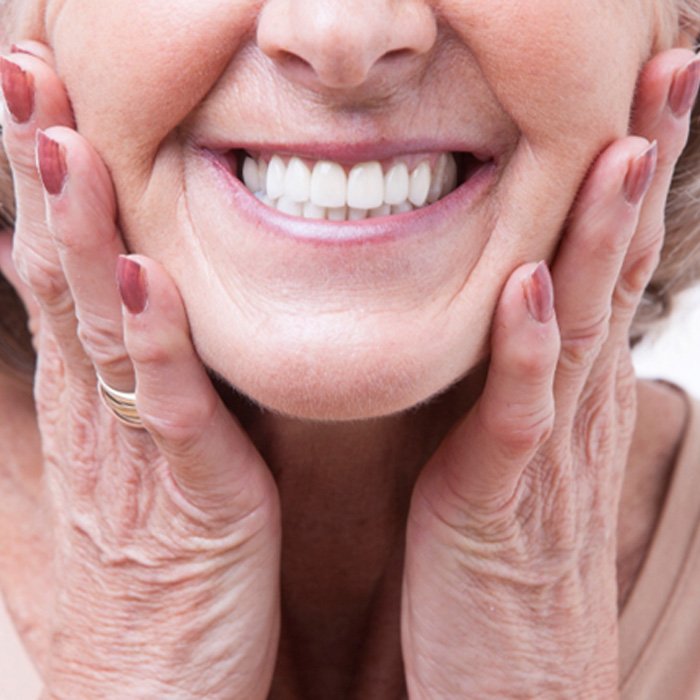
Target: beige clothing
(659, 625)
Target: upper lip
(347, 152)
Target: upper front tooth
(366, 186)
(297, 180)
(420, 185)
(396, 184)
(328, 185)
(276, 173)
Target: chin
(325, 383)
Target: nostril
(397, 54)
(291, 59)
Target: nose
(339, 44)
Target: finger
(482, 460)
(81, 209)
(35, 98)
(590, 257)
(212, 461)
(667, 90)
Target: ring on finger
(122, 404)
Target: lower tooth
(357, 214)
(384, 210)
(262, 196)
(289, 206)
(337, 213)
(313, 211)
(402, 208)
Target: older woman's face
(361, 318)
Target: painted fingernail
(539, 294)
(684, 88)
(131, 278)
(640, 174)
(51, 161)
(18, 90)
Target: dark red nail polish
(51, 159)
(640, 174)
(131, 278)
(18, 89)
(684, 88)
(539, 294)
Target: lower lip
(376, 229)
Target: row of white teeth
(327, 191)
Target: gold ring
(121, 403)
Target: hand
(165, 542)
(510, 580)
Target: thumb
(480, 463)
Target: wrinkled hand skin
(510, 587)
(147, 560)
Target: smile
(329, 197)
(336, 191)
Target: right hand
(166, 541)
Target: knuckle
(529, 361)
(182, 425)
(596, 427)
(615, 241)
(520, 429)
(42, 275)
(146, 351)
(637, 272)
(581, 345)
(102, 341)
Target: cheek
(161, 57)
(559, 67)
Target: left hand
(510, 585)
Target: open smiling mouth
(336, 191)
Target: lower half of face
(330, 320)
(358, 318)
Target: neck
(345, 491)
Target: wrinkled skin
(519, 503)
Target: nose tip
(339, 44)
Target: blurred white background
(674, 352)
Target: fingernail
(131, 278)
(684, 88)
(18, 89)
(51, 161)
(640, 174)
(539, 294)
